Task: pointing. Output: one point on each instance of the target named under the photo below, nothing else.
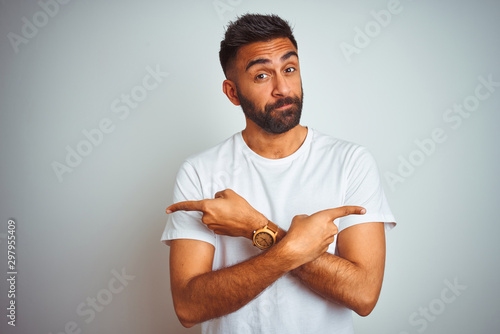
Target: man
(253, 243)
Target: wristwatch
(265, 237)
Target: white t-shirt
(323, 173)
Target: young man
(252, 232)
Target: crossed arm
(353, 278)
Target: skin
(353, 279)
(266, 83)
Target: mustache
(282, 102)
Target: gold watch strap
(272, 226)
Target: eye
(290, 70)
(261, 76)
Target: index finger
(185, 206)
(343, 211)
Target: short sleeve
(364, 188)
(187, 224)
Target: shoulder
(215, 155)
(338, 148)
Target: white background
(107, 214)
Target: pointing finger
(343, 211)
(185, 206)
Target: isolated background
(108, 213)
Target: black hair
(251, 28)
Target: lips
(285, 106)
(283, 103)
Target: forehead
(272, 50)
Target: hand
(227, 214)
(310, 236)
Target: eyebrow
(266, 61)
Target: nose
(281, 87)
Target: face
(276, 117)
(268, 84)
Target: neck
(274, 146)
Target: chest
(281, 191)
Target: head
(259, 58)
(248, 29)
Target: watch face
(264, 240)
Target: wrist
(265, 237)
(287, 253)
(281, 234)
(259, 222)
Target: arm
(201, 294)
(354, 278)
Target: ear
(229, 88)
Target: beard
(272, 120)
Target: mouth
(286, 106)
